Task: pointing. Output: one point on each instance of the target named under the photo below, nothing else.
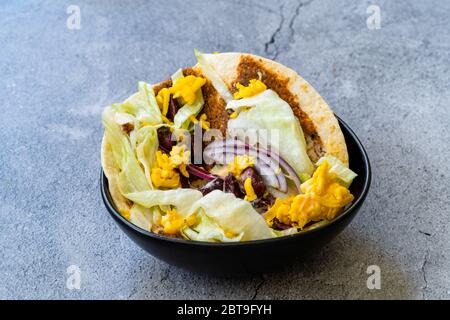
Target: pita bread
(321, 129)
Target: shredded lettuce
(129, 152)
(343, 173)
(182, 199)
(141, 217)
(131, 177)
(147, 145)
(124, 118)
(181, 119)
(156, 215)
(149, 102)
(207, 230)
(177, 75)
(234, 215)
(218, 213)
(141, 108)
(272, 117)
(212, 75)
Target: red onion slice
(267, 168)
(200, 172)
(224, 151)
(267, 174)
(269, 157)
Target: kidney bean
(216, 184)
(165, 138)
(257, 182)
(264, 203)
(173, 108)
(232, 185)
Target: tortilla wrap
(320, 127)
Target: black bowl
(251, 257)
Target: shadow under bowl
(251, 257)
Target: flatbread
(321, 129)
(320, 126)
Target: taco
(271, 159)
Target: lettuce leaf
(233, 214)
(147, 145)
(149, 102)
(181, 119)
(141, 108)
(217, 212)
(177, 75)
(131, 177)
(269, 112)
(141, 217)
(129, 152)
(182, 199)
(212, 75)
(207, 230)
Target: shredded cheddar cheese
(163, 99)
(234, 115)
(204, 123)
(193, 119)
(254, 87)
(163, 174)
(173, 222)
(185, 88)
(322, 199)
(179, 157)
(250, 194)
(326, 189)
(240, 163)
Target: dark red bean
(264, 203)
(185, 182)
(165, 138)
(216, 184)
(257, 182)
(232, 185)
(173, 108)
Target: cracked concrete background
(391, 85)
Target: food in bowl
(236, 148)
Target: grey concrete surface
(391, 85)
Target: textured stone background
(391, 85)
